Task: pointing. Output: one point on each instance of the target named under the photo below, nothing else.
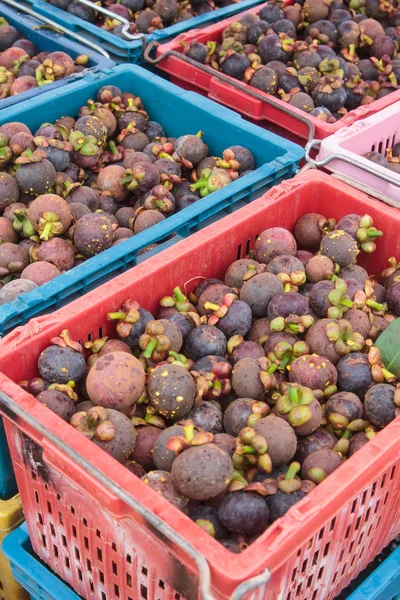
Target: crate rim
(291, 155)
(289, 534)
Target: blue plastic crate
(49, 41)
(126, 51)
(8, 486)
(43, 584)
(179, 112)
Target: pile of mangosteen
(324, 57)
(23, 67)
(144, 16)
(78, 186)
(235, 399)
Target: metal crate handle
(316, 144)
(125, 29)
(14, 412)
(238, 85)
(76, 36)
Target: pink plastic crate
(342, 152)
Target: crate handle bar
(316, 144)
(72, 34)
(125, 29)
(201, 563)
(238, 85)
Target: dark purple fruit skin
(280, 503)
(203, 341)
(282, 336)
(346, 404)
(379, 406)
(230, 545)
(244, 512)
(206, 363)
(225, 442)
(207, 416)
(210, 513)
(185, 323)
(319, 301)
(93, 234)
(247, 349)
(354, 374)
(236, 415)
(58, 402)
(357, 441)
(60, 365)
(237, 321)
(318, 440)
(393, 298)
(206, 283)
(258, 292)
(145, 439)
(276, 472)
(162, 456)
(288, 303)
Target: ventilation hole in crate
(77, 553)
(373, 489)
(177, 596)
(367, 514)
(99, 555)
(358, 523)
(345, 567)
(36, 497)
(321, 572)
(314, 595)
(321, 533)
(89, 337)
(40, 518)
(248, 247)
(351, 547)
(353, 560)
(305, 563)
(129, 580)
(98, 533)
(55, 550)
(64, 541)
(129, 598)
(46, 487)
(101, 331)
(101, 575)
(380, 145)
(44, 543)
(326, 549)
(91, 586)
(103, 596)
(67, 563)
(74, 531)
(354, 506)
(393, 472)
(72, 510)
(61, 518)
(309, 581)
(161, 584)
(52, 530)
(294, 574)
(383, 480)
(129, 559)
(143, 591)
(361, 553)
(289, 596)
(348, 531)
(341, 555)
(84, 521)
(298, 590)
(315, 557)
(334, 577)
(116, 590)
(239, 252)
(114, 568)
(364, 497)
(59, 497)
(114, 546)
(33, 475)
(144, 570)
(361, 537)
(377, 506)
(80, 575)
(89, 565)
(86, 542)
(386, 498)
(333, 523)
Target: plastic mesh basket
(111, 537)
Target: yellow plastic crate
(10, 517)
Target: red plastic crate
(105, 549)
(193, 78)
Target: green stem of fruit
(188, 432)
(113, 148)
(113, 316)
(238, 477)
(374, 233)
(151, 346)
(293, 396)
(125, 180)
(46, 232)
(346, 302)
(375, 305)
(248, 450)
(293, 469)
